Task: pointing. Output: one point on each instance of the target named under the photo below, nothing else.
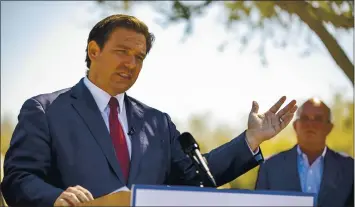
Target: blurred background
(209, 62)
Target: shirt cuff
(254, 153)
(257, 153)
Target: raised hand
(264, 126)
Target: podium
(151, 195)
(122, 198)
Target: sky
(43, 50)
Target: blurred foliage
(210, 136)
(7, 127)
(321, 18)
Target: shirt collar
(102, 97)
(299, 151)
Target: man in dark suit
(311, 166)
(87, 141)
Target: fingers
(294, 109)
(284, 117)
(286, 120)
(255, 107)
(61, 202)
(288, 108)
(288, 113)
(73, 196)
(86, 192)
(274, 122)
(79, 194)
(277, 105)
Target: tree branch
(339, 21)
(301, 9)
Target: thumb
(255, 107)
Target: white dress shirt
(102, 98)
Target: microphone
(191, 148)
(131, 131)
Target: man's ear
(93, 50)
(329, 128)
(294, 125)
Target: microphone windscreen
(187, 142)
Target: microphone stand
(199, 165)
(199, 170)
(200, 173)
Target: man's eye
(318, 118)
(140, 58)
(121, 51)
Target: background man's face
(312, 125)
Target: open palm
(267, 125)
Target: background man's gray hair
(315, 101)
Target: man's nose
(131, 62)
(308, 124)
(311, 124)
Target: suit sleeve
(226, 162)
(350, 200)
(262, 182)
(28, 160)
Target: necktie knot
(113, 103)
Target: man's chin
(122, 88)
(313, 141)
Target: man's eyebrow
(128, 48)
(123, 46)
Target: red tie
(118, 138)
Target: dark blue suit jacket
(280, 173)
(61, 140)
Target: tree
(320, 17)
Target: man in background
(311, 166)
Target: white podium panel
(146, 195)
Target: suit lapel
(292, 170)
(135, 119)
(330, 178)
(85, 105)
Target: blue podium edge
(208, 189)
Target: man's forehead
(138, 38)
(314, 107)
(310, 108)
(139, 42)
(137, 46)
(131, 36)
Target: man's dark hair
(101, 32)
